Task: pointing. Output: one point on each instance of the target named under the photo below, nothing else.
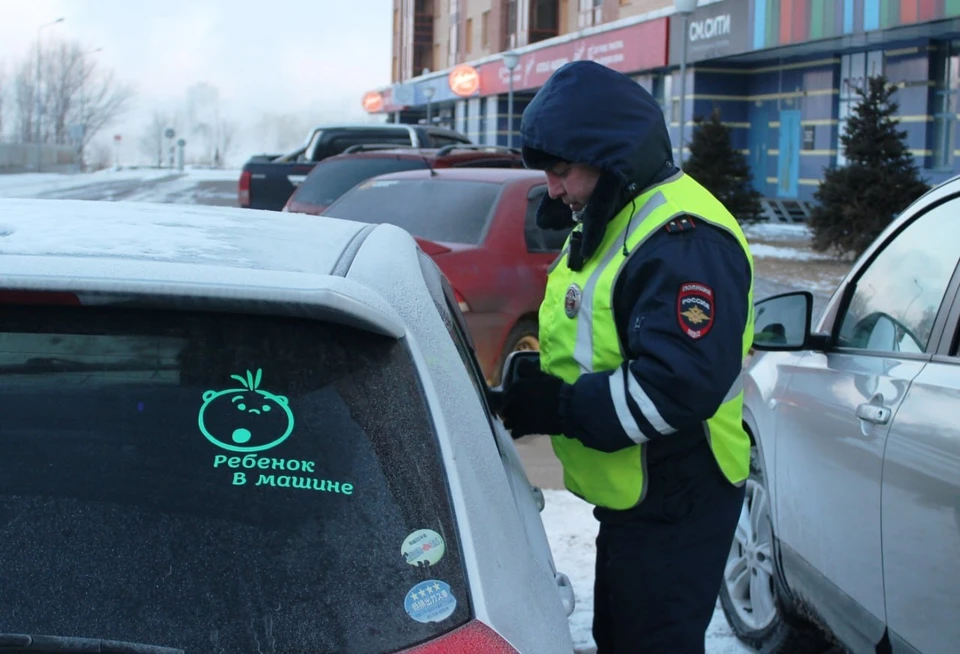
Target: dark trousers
(660, 565)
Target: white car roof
(188, 251)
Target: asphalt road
(175, 188)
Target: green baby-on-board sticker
(245, 419)
(249, 420)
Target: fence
(22, 157)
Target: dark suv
(336, 175)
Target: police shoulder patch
(695, 309)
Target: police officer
(644, 327)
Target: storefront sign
(628, 50)
(715, 30)
(464, 81)
(373, 102)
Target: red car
(336, 175)
(478, 226)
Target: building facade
(783, 73)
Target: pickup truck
(268, 181)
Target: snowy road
(569, 522)
(214, 187)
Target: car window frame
(948, 349)
(850, 287)
(446, 305)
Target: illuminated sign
(373, 102)
(464, 81)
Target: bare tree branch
(227, 134)
(73, 93)
(105, 101)
(25, 102)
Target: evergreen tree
(721, 169)
(880, 179)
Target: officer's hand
(531, 404)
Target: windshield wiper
(67, 644)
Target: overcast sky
(311, 57)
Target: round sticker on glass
(423, 548)
(430, 601)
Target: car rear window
(329, 142)
(439, 210)
(220, 483)
(331, 179)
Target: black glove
(531, 404)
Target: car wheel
(525, 336)
(751, 596)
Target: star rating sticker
(436, 587)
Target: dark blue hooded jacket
(588, 113)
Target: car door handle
(879, 415)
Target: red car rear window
(437, 209)
(331, 179)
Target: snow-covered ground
(136, 184)
(572, 531)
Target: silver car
(225, 431)
(851, 524)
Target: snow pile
(764, 251)
(572, 531)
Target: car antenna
(433, 173)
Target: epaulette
(681, 224)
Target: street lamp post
(37, 89)
(684, 8)
(83, 108)
(510, 60)
(428, 93)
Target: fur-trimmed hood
(590, 114)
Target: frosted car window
(215, 482)
(443, 211)
(331, 179)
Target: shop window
(591, 13)
(945, 68)
(855, 69)
(511, 24)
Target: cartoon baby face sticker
(245, 419)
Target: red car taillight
(243, 189)
(474, 637)
(39, 297)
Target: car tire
(753, 598)
(525, 335)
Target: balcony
(423, 35)
(544, 20)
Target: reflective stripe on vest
(578, 335)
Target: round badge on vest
(571, 301)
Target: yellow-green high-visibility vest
(578, 335)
